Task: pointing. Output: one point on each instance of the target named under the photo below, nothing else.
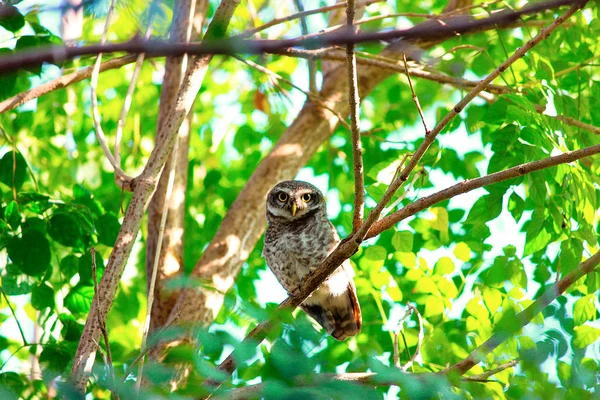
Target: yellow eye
(282, 196)
(306, 197)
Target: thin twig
(276, 77)
(354, 103)
(122, 179)
(152, 283)
(302, 14)
(12, 311)
(312, 64)
(414, 95)
(487, 374)
(131, 88)
(472, 184)
(397, 332)
(419, 343)
(61, 82)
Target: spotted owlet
(298, 238)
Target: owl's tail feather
(341, 317)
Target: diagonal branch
(472, 184)
(524, 317)
(62, 82)
(303, 14)
(229, 46)
(354, 102)
(348, 247)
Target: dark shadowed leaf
(31, 252)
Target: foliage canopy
(468, 264)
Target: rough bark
(144, 187)
(186, 26)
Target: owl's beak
(294, 208)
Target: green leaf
(375, 253)
(584, 310)
(516, 206)
(79, 299)
(585, 335)
(440, 222)
(443, 266)
(10, 17)
(13, 169)
(42, 297)
(433, 306)
(462, 251)
(31, 252)
(12, 215)
(394, 292)
(55, 358)
(71, 330)
(34, 202)
(12, 384)
(108, 227)
(85, 267)
(69, 266)
(70, 228)
(485, 209)
(492, 299)
(403, 241)
(537, 243)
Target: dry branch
(431, 31)
(143, 189)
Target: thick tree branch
(183, 28)
(354, 102)
(472, 184)
(144, 187)
(432, 31)
(524, 317)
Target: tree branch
(524, 317)
(62, 82)
(348, 247)
(143, 189)
(230, 46)
(354, 102)
(300, 15)
(472, 184)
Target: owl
(298, 238)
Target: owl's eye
(282, 197)
(306, 197)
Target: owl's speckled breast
(293, 249)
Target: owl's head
(293, 200)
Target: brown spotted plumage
(298, 238)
